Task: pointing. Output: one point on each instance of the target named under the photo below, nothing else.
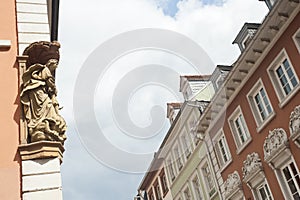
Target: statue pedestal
(41, 178)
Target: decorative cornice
(295, 125)
(274, 142)
(41, 149)
(251, 165)
(233, 184)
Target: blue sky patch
(170, 8)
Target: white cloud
(84, 25)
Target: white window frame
(151, 193)
(164, 182)
(210, 192)
(287, 164)
(221, 136)
(282, 97)
(169, 166)
(264, 185)
(178, 157)
(231, 121)
(158, 192)
(186, 144)
(197, 190)
(296, 38)
(187, 188)
(260, 122)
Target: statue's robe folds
(38, 97)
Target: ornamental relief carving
(251, 165)
(295, 125)
(232, 183)
(274, 141)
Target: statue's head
(42, 52)
(52, 64)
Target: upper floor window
(171, 169)
(239, 129)
(223, 153)
(283, 77)
(264, 192)
(292, 180)
(157, 192)
(260, 104)
(151, 195)
(186, 144)
(187, 194)
(197, 187)
(164, 183)
(208, 179)
(177, 155)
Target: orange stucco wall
(10, 181)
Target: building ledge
(41, 149)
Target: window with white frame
(151, 195)
(186, 144)
(187, 194)
(222, 149)
(292, 179)
(157, 191)
(208, 179)
(283, 77)
(239, 129)
(197, 187)
(177, 156)
(171, 169)
(164, 183)
(263, 192)
(296, 39)
(260, 103)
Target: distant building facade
(249, 132)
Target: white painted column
(41, 179)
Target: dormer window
(246, 34)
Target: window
(260, 104)
(239, 129)
(276, 153)
(208, 179)
(164, 183)
(222, 149)
(151, 195)
(178, 159)
(197, 187)
(186, 145)
(193, 131)
(292, 180)
(264, 192)
(296, 38)
(187, 194)
(157, 192)
(283, 77)
(171, 169)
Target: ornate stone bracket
(295, 126)
(276, 147)
(233, 187)
(253, 173)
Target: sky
(114, 90)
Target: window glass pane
(263, 194)
(260, 106)
(287, 173)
